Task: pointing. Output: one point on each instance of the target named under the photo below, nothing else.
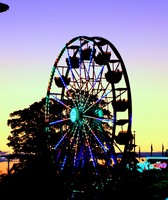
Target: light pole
(134, 141)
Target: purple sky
(33, 33)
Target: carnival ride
(88, 112)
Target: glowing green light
(99, 112)
(74, 114)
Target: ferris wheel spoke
(90, 62)
(71, 141)
(63, 163)
(70, 68)
(100, 143)
(80, 61)
(60, 141)
(96, 80)
(74, 146)
(91, 153)
(66, 87)
(88, 145)
(59, 121)
(61, 102)
(60, 75)
(96, 102)
(90, 91)
(80, 157)
(99, 118)
(76, 150)
(117, 147)
(121, 93)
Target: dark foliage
(27, 134)
(38, 181)
(35, 176)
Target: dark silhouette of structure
(3, 7)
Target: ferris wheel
(88, 112)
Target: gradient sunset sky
(32, 33)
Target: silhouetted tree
(28, 138)
(27, 134)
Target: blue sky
(33, 33)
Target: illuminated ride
(88, 111)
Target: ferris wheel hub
(74, 115)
